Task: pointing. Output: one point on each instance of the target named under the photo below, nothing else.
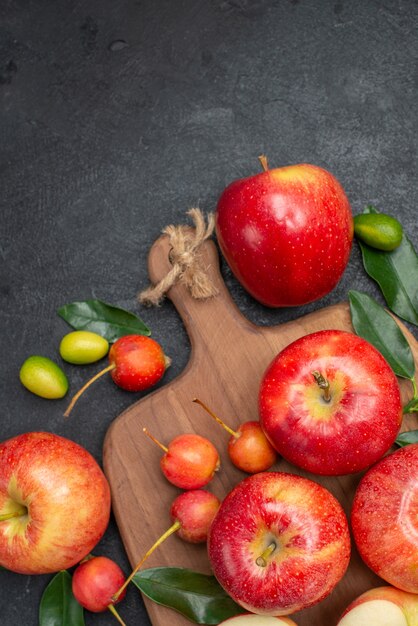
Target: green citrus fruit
(378, 230)
(43, 377)
(82, 346)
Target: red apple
(136, 363)
(257, 620)
(248, 447)
(382, 606)
(189, 462)
(330, 403)
(192, 513)
(384, 518)
(279, 543)
(95, 581)
(54, 503)
(286, 233)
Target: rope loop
(186, 262)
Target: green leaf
(396, 273)
(412, 406)
(58, 606)
(404, 439)
(108, 321)
(198, 597)
(377, 326)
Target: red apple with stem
(189, 461)
(279, 543)
(286, 233)
(248, 447)
(382, 606)
(94, 583)
(54, 503)
(136, 362)
(384, 518)
(330, 403)
(192, 513)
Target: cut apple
(382, 606)
(261, 620)
(375, 613)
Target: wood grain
(228, 358)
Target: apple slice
(382, 606)
(259, 620)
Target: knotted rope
(185, 259)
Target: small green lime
(82, 346)
(378, 230)
(43, 377)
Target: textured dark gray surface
(104, 143)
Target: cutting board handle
(202, 318)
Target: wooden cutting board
(229, 355)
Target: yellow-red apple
(330, 403)
(384, 518)
(382, 606)
(286, 233)
(54, 503)
(279, 543)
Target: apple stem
(215, 417)
(174, 528)
(264, 163)
(323, 384)
(109, 368)
(261, 561)
(116, 614)
(6, 516)
(148, 434)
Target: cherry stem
(116, 614)
(148, 434)
(323, 384)
(109, 368)
(264, 163)
(215, 417)
(173, 529)
(261, 561)
(5, 516)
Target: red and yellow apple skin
(354, 428)
(279, 543)
(384, 518)
(286, 233)
(61, 499)
(382, 606)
